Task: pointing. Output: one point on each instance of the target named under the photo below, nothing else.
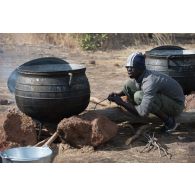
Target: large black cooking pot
(51, 92)
(11, 83)
(175, 62)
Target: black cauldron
(176, 62)
(50, 92)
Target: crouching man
(150, 92)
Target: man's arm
(128, 106)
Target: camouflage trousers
(160, 103)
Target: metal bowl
(27, 155)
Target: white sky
(97, 16)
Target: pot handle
(70, 79)
(177, 66)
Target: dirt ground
(105, 76)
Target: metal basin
(27, 155)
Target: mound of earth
(89, 131)
(18, 128)
(190, 101)
(7, 144)
(103, 130)
(76, 131)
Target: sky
(74, 16)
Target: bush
(92, 41)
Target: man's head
(135, 65)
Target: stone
(4, 102)
(191, 153)
(19, 128)
(77, 131)
(92, 62)
(116, 64)
(6, 145)
(190, 102)
(81, 131)
(103, 130)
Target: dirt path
(105, 76)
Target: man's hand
(112, 94)
(114, 97)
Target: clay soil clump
(80, 132)
(7, 144)
(103, 130)
(18, 128)
(190, 102)
(76, 131)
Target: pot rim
(170, 53)
(51, 69)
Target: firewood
(138, 133)
(98, 101)
(41, 142)
(52, 139)
(116, 114)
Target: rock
(87, 149)
(91, 131)
(4, 102)
(190, 102)
(76, 131)
(19, 128)
(2, 136)
(92, 62)
(116, 64)
(6, 145)
(103, 130)
(191, 153)
(2, 132)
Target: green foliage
(92, 41)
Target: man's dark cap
(136, 60)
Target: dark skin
(116, 97)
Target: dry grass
(58, 39)
(164, 39)
(115, 40)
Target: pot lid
(51, 68)
(11, 83)
(165, 53)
